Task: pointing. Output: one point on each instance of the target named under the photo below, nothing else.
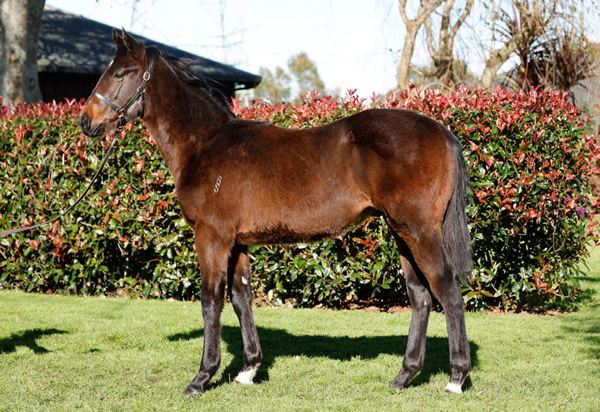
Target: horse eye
(118, 75)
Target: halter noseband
(139, 94)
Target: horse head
(119, 96)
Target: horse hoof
(193, 390)
(454, 388)
(396, 384)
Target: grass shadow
(28, 339)
(588, 328)
(589, 279)
(279, 342)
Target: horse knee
(213, 293)
(420, 302)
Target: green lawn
(65, 353)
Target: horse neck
(181, 118)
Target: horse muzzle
(88, 127)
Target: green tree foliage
(300, 77)
(305, 73)
(275, 85)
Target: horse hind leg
(420, 300)
(241, 297)
(430, 257)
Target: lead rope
(9, 232)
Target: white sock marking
(453, 388)
(246, 377)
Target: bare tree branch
(462, 18)
(443, 57)
(426, 7)
(521, 27)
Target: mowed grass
(66, 353)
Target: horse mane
(183, 68)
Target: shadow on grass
(279, 342)
(590, 289)
(588, 327)
(587, 279)
(28, 339)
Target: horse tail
(457, 240)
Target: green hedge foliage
(532, 212)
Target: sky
(354, 43)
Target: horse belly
(307, 222)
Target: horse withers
(241, 183)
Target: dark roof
(74, 44)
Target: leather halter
(139, 94)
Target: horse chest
(201, 198)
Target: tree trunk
(443, 57)
(426, 7)
(406, 56)
(20, 22)
(501, 55)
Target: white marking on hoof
(246, 377)
(454, 388)
(244, 280)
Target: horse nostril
(85, 122)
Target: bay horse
(241, 183)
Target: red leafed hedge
(530, 158)
(532, 215)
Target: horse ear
(134, 48)
(118, 39)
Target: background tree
(571, 58)
(542, 35)
(274, 86)
(517, 25)
(560, 58)
(427, 76)
(304, 71)
(443, 56)
(300, 77)
(19, 30)
(426, 7)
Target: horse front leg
(241, 298)
(213, 254)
